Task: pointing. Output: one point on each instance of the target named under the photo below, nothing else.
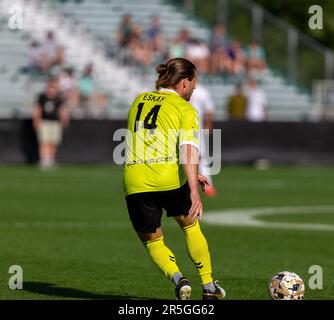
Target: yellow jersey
(159, 122)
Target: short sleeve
(189, 129)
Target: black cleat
(183, 290)
(219, 293)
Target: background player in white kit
(202, 101)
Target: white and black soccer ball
(286, 286)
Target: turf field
(70, 232)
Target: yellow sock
(199, 251)
(162, 257)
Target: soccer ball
(286, 286)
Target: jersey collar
(169, 90)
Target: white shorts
(50, 132)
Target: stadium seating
(10, 50)
(103, 18)
(80, 49)
(87, 26)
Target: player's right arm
(189, 150)
(190, 158)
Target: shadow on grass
(50, 289)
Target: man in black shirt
(50, 116)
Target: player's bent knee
(184, 221)
(144, 237)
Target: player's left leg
(165, 260)
(159, 253)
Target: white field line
(247, 217)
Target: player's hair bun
(162, 69)
(173, 71)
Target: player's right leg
(199, 253)
(145, 214)
(177, 204)
(165, 260)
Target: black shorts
(145, 208)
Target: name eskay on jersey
(153, 97)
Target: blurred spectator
(219, 56)
(124, 36)
(201, 99)
(199, 54)
(257, 102)
(255, 58)
(140, 47)
(92, 102)
(179, 44)
(237, 105)
(220, 61)
(125, 31)
(101, 104)
(177, 49)
(53, 52)
(155, 36)
(184, 36)
(35, 58)
(86, 87)
(68, 88)
(236, 57)
(49, 117)
(218, 38)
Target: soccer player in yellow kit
(161, 173)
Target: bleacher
(12, 54)
(99, 20)
(103, 17)
(80, 49)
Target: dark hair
(173, 71)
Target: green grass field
(70, 232)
